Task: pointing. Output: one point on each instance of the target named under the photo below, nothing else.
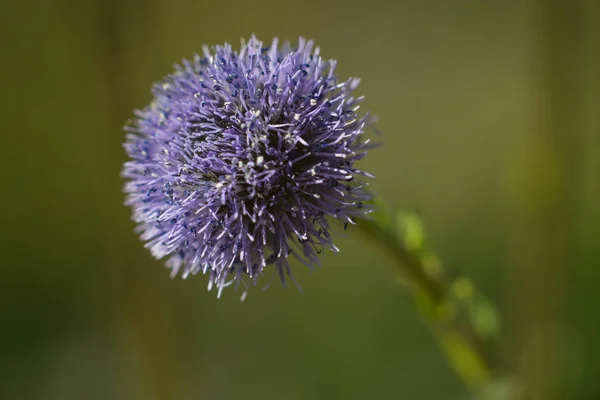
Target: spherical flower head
(245, 158)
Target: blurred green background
(489, 113)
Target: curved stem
(411, 265)
(442, 301)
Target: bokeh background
(489, 117)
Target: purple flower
(243, 159)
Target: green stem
(440, 300)
(411, 266)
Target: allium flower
(240, 160)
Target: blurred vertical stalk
(149, 364)
(548, 191)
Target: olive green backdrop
(86, 313)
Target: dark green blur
(489, 113)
